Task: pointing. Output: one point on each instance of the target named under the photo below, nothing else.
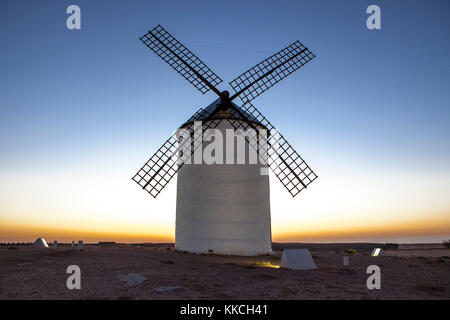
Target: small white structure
(297, 259)
(223, 208)
(40, 243)
(377, 252)
(346, 261)
(80, 245)
(55, 244)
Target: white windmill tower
(224, 208)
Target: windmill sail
(285, 162)
(181, 59)
(287, 165)
(269, 72)
(157, 172)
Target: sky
(82, 110)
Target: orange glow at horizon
(20, 233)
(10, 232)
(402, 229)
(82, 203)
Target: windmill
(224, 208)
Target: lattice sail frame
(284, 161)
(287, 165)
(157, 172)
(178, 56)
(277, 67)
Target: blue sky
(96, 99)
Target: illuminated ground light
(267, 264)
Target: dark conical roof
(228, 114)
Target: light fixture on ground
(378, 252)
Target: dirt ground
(30, 273)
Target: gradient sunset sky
(82, 110)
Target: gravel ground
(160, 273)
